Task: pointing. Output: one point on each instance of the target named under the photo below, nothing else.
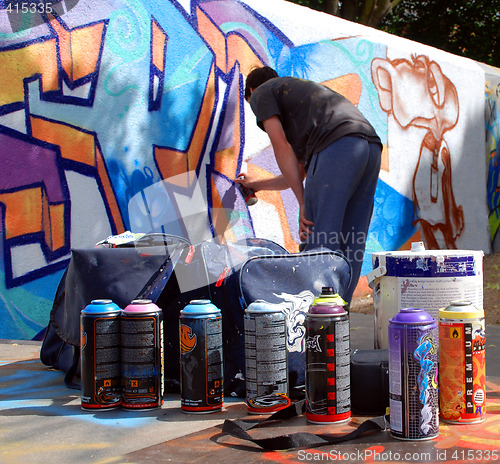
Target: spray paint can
(266, 358)
(200, 334)
(100, 355)
(142, 355)
(328, 295)
(328, 396)
(413, 375)
(248, 193)
(462, 363)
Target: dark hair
(257, 77)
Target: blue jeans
(339, 193)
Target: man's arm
(270, 183)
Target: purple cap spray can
(328, 394)
(413, 375)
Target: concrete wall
(129, 115)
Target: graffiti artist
(320, 136)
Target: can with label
(248, 193)
(142, 355)
(100, 355)
(328, 396)
(200, 334)
(462, 363)
(266, 358)
(413, 375)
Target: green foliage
(367, 12)
(469, 28)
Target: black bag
(57, 352)
(369, 381)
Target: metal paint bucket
(426, 279)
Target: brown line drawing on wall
(417, 94)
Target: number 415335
(28, 7)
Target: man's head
(257, 77)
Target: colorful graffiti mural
(492, 120)
(129, 115)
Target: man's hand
(247, 181)
(304, 225)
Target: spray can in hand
(248, 193)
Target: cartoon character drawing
(400, 84)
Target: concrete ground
(41, 421)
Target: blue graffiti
(420, 354)
(426, 346)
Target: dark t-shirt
(313, 116)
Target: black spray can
(200, 334)
(248, 193)
(142, 355)
(100, 355)
(328, 394)
(266, 358)
(413, 375)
